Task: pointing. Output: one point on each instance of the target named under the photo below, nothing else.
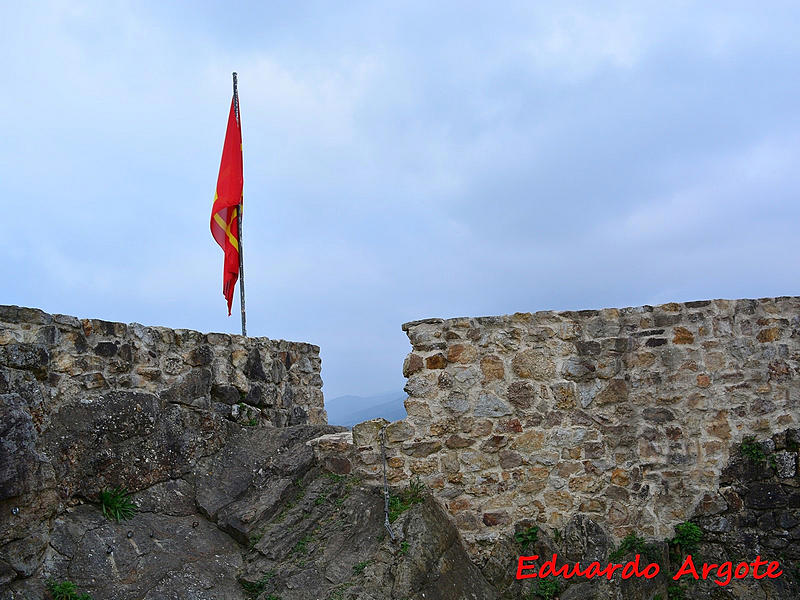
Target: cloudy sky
(401, 162)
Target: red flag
(225, 211)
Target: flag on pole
(227, 201)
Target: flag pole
(241, 203)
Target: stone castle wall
(272, 380)
(628, 416)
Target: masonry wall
(273, 380)
(626, 415)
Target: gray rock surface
(330, 542)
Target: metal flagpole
(241, 203)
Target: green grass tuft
(255, 538)
(65, 590)
(254, 588)
(406, 499)
(527, 537)
(687, 536)
(358, 568)
(545, 590)
(676, 592)
(752, 449)
(301, 547)
(632, 543)
(548, 589)
(116, 504)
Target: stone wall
(88, 404)
(626, 415)
(273, 380)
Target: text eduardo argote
(722, 574)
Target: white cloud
(573, 45)
(736, 188)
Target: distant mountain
(350, 410)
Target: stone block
(785, 464)
(461, 353)
(489, 405)
(533, 364)
(368, 432)
(492, 368)
(399, 431)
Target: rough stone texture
(588, 425)
(189, 537)
(90, 404)
(231, 504)
(754, 514)
(331, 543)
(626, 414)
(295, 531)
(149, 556)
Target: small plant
(545, 589)
(358, 568)
(676, 592)
(403, 548)
(557, 535)
(116, 504)
(252, 422)
(335, 477)
(406, 499)
(548, 589)
(338, 593)
(416, 487)
(526, 537)
(637, 545)
(321, 499)
(255, 538)
(687, 537)
(284, 511)
(254, 588)
(752, 449)
(65, 590)
(301, 547)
